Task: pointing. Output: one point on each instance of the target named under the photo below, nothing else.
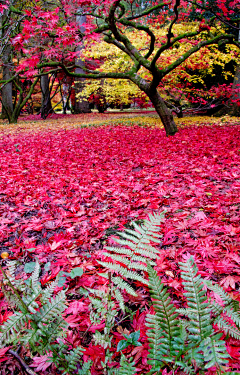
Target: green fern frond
(196, 300)
(120, 299)
(216, 309)
(85, 370)
(51, 309)
(127, 262)
(135, 251)
(195, 355)
(118, 250)
(139, 258)
(234, 315)
(188, 369)
(215, 352)
(126, 368)
(35, 276)
(189, 313)
(30, 299)
(145, 251)
(133, 237)
(48, 291)
(102, 340)
(123, 271)
(17, 283)
(73, 358)
(13, 326)
(218, 290)
(165, 310)
(157, 350)
(124, 285)
(11, 299)
(228, 328)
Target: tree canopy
(51, 39)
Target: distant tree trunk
(164, 113)
(235, 109)
(46, 107)
(7, 100)
(232, 109)
(81, 104)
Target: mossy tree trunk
(164, 112)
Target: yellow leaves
(110, 118)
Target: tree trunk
(7, 101)
(235, 109)
(46, 107)
(163, 112)
(81, 103)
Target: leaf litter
(64, 188)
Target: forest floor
(69, 182)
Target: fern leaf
(216, 309)
(13, 325)
(189, 313)
(188, 369)
(196, 299)
(19, 284)
(157, 350)
(102, 339)
(228, 328)
(124, 285)
(35, 275)
(120, 299)
(138, 228)
(118, 258)
(118, 250)
(234, 315)
(133, 232)
(48, 292)
(85, 370)
(134, 238)
(139, 258)
(123, 271)
(215, 352)
(126, 368)
(218, 290)
(195, 356)
(52, 308)
(74, 357)
(165, 310)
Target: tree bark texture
(163, 112)
(46, 107)
(81, 104)
(7, 101)
(235, 109)
(7, 90)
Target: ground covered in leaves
(65, 188)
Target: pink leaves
(78, 184)
(41, 363)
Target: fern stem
(15, 292)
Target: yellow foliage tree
(175, 86)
